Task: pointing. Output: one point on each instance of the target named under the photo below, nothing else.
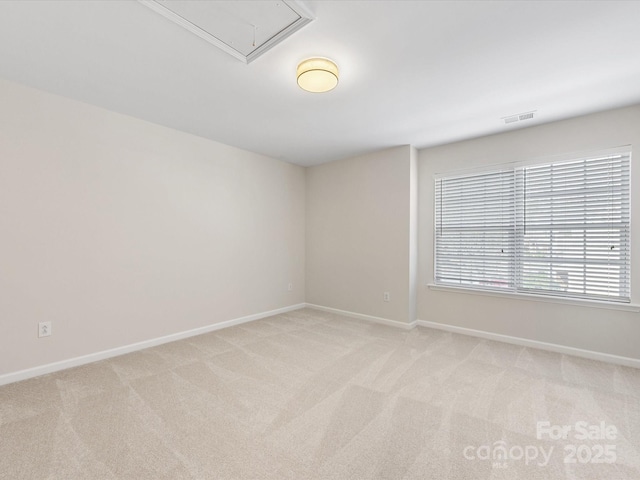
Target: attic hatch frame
(296, 5)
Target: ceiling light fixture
(317, 75)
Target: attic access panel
(244, 29)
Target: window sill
(625, 307)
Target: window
(554, 229)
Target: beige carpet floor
(313, 395)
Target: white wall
(601, 330)
(358, 238)
(119, 230)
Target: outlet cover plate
(44, 329)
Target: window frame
(518, 291)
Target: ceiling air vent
(244, 29)
(519, 117)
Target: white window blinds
(475, 230)
(558, 229)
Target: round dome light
(317, 75)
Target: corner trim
(525, 342)
(133, 347)
(361, 316)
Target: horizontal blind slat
(538, 228)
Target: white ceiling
(412, 72)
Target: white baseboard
(525, 342)
(114, 352)
(370, 318)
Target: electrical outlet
(290, 287)
(387, 297)
(44, 329)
